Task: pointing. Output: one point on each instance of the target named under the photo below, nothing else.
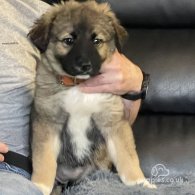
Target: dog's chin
(87, 76)
(82, 75)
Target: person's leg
(16, 184)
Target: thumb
(3, 148)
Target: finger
(3, 148)
(102, 79)
(1, 158)
(94, 81)
(107, 88)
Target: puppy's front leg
(45, 149)
(122, 150)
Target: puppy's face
(77, 37)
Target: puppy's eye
(68, 41)
(97, 41)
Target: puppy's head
(77, 37)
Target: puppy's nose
(84, 64)
(86, 67)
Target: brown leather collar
(69, 81)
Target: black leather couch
(162, 42)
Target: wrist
(141, 91)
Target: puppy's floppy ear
(39, 34)
(121, 34)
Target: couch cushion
(168, 55)
(167, 140)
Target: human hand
(3, 149)
(118, 76)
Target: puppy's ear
(121, 34)
(40, 32)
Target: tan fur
(44, 146)
(102, 159)
(50, 112)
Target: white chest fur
(81, 106)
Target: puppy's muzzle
(83, 65)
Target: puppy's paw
(143, 182)
(147, 184)
(44, 189)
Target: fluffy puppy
(75, 133)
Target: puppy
(75, 133)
